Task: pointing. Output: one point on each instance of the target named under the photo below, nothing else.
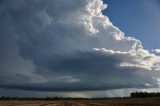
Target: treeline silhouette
(144, 94)
(56, 98)
(37, 98)
(132, 95)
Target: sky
(137, 18)
(72, 48)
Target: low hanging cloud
(69, 45)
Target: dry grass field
(107, 102)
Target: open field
(106, 102)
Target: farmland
(98, 102)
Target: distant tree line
(56, 98)
(144, 94)
(37, 98)
(132, 95)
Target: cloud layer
(69, 45)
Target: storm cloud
(69, 45)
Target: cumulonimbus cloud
(71, 44)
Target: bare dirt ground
(107, 102)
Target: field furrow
(106, 102)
